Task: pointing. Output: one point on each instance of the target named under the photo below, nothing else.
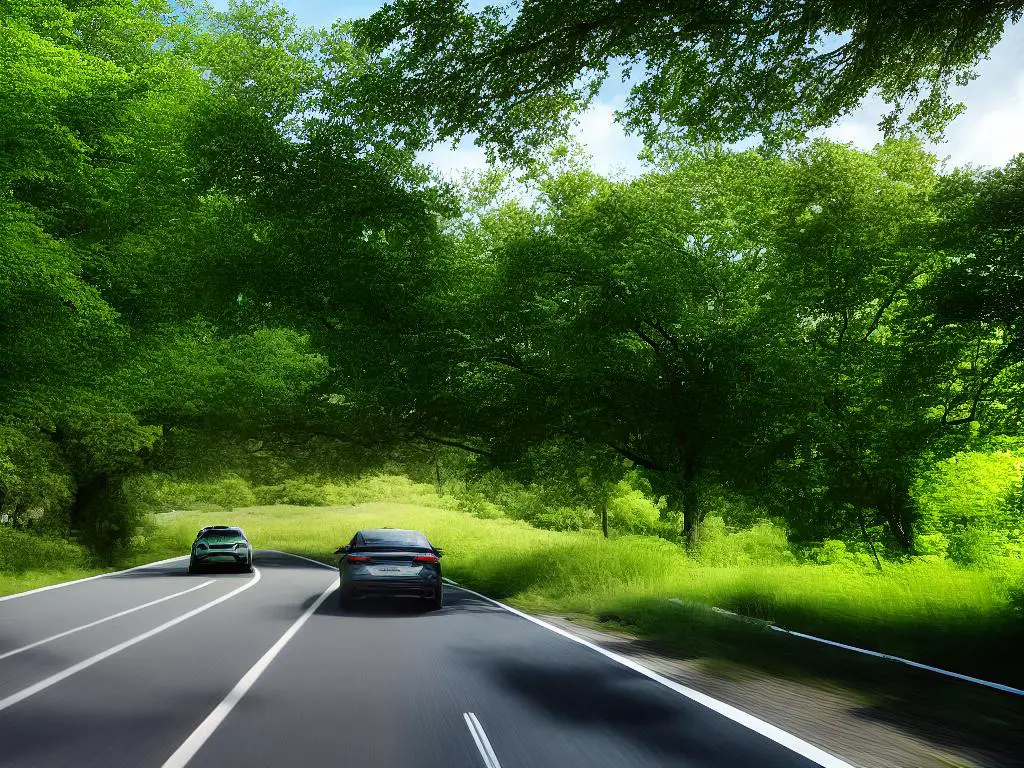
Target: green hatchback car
(220, 545)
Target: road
(154, 667)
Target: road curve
(154, 667)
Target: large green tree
(511, 72)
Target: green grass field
(931, 612)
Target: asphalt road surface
(154, 667)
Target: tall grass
(929, 611)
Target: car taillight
(358, 559)
(425, 559)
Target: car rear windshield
(403, 539)
(221, 532)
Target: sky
(989, 132)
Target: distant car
(220, 545)
(390, 562)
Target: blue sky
(990, 132)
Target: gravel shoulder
(880, 715)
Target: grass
(930, 612)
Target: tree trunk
(896, 508)
(437, 478)
(864, 532)
(691, 504)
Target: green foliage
(513, 74)
(763, 544)
(970, 546)
(631, 511)
(954, 618)
(21, 551)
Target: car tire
(345, 598)
(193, 568)
(436, 602)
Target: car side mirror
(439, 551)
(341, 550)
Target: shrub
(765, 543)
(831, 552)
(970, 546)
(21, 551)
(303, 493)
(630, 511)
(931, 544)
(564, 519)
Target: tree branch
(452, 444)
(637, 459)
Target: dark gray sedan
(390, 562)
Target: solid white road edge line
(482, 744)
(901, 660)
(769, 731)
(42, 685)
(183, 754)
(865, 651)
(16, 595)
(91, 624)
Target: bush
(831, 552)
(630, 511)
(765, 543)
(564, 519)
(932, 544)
(303, 493)
(970, 547)
(21, 551)
(226, 492)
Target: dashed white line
(482, 744)
(183, 754)
(769, 731)
(88, 578)
(42, 685)
(91, 624)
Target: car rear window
(221, 532)
(387, 538)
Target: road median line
(42, 685)
(105, 619)
(188, 749)
(480, 739)
(62, 584)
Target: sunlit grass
(932, 611)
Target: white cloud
(989, 132)
(451, 162)
(991, 129)
(611, 150)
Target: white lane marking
(88, 578)
(188, 749)
(769, 731)
(901, 660)
(865, 651)
(42, 685)
(477, 731)
(91, 624)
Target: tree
(622, 315)
(511, 73)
